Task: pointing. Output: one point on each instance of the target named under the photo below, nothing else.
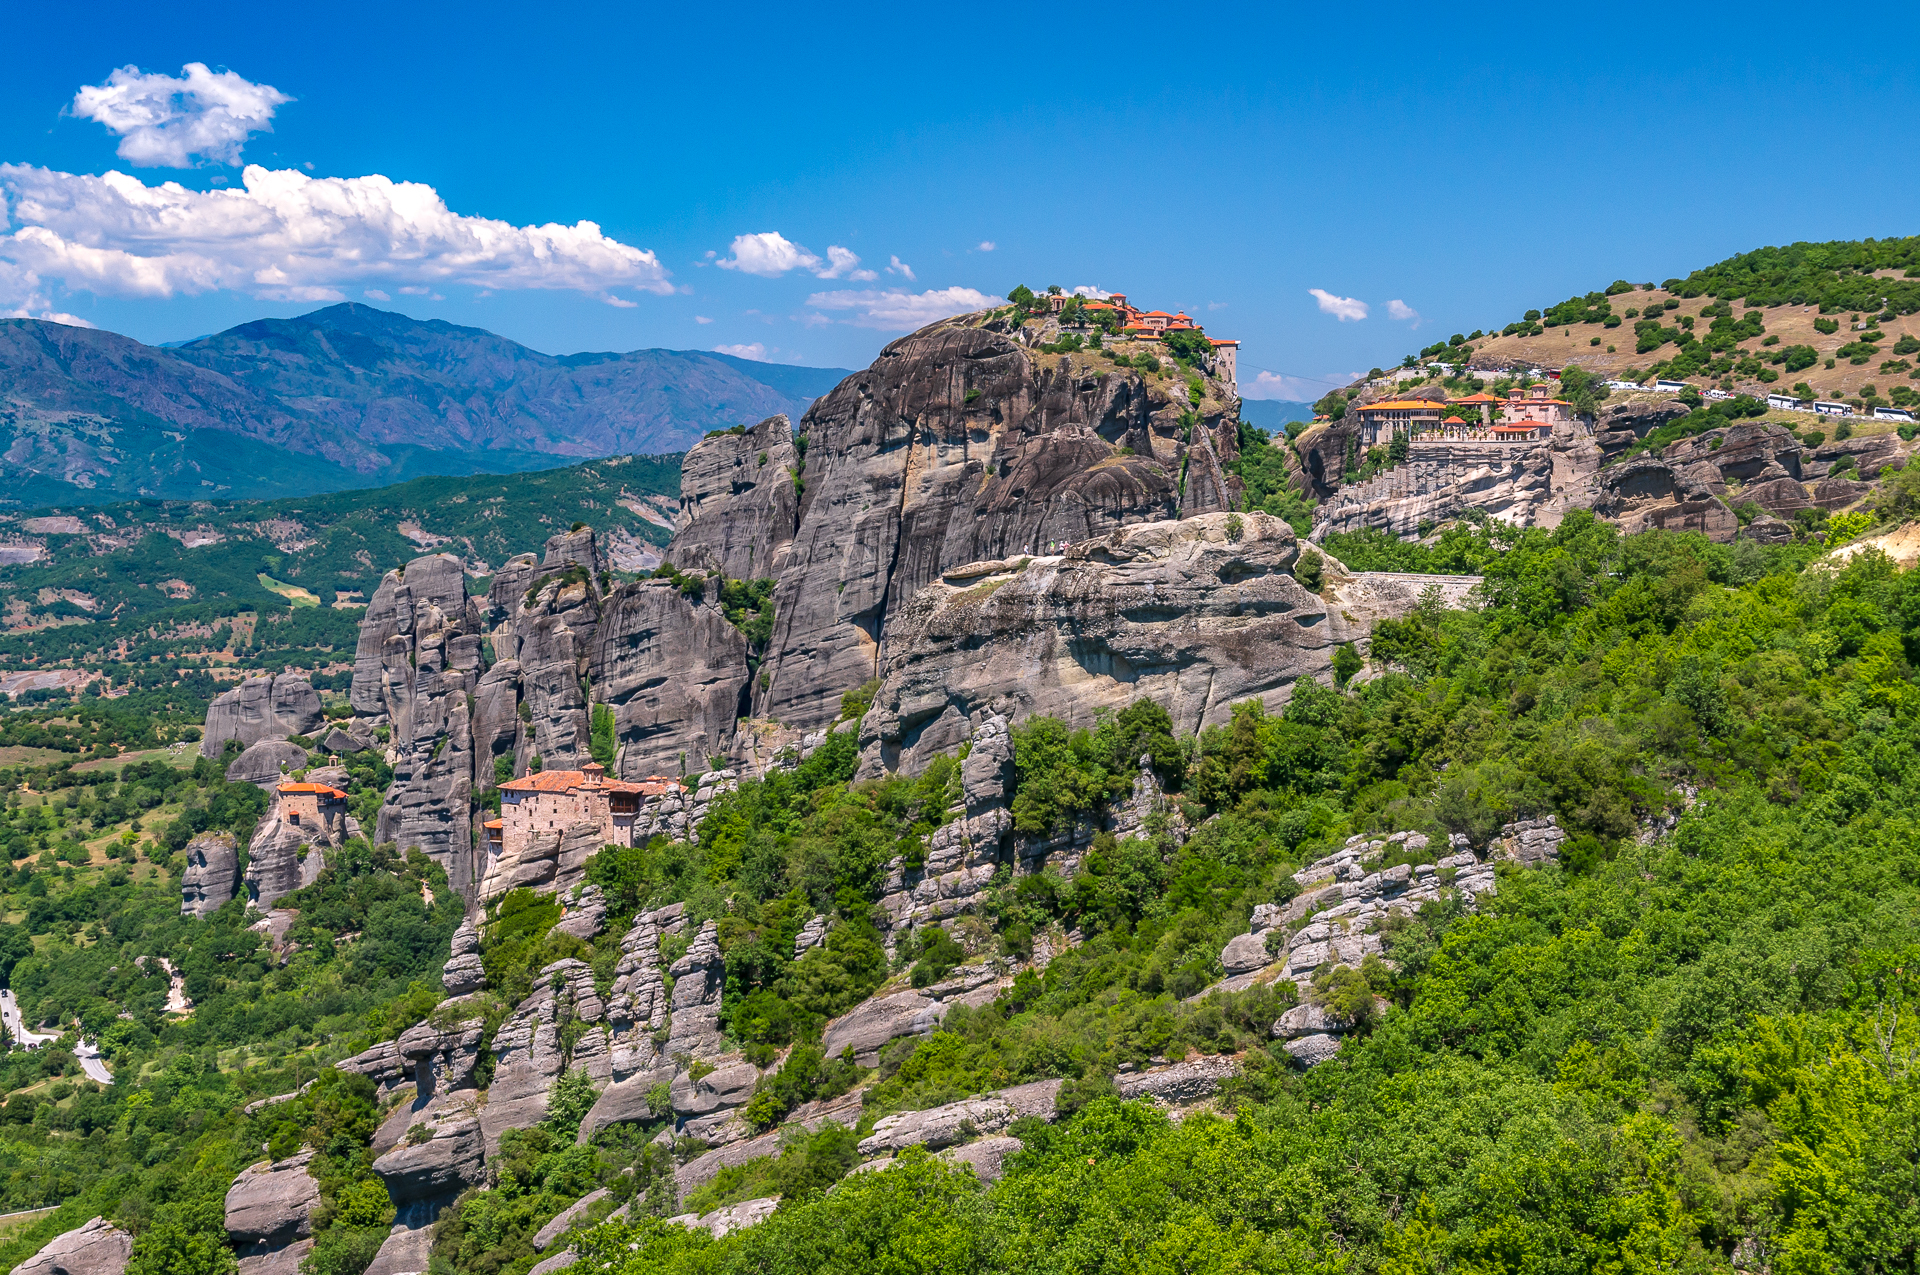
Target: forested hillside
(1687, 1044)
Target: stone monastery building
(546, 804)
(1152, 325)
(1524, 415)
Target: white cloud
(288, 236)
(1294, 389)
(1091, 293)
(701, 319)
(771, 254)
(1397, 309)
(901, 268)
(1217, 305)
(987, 245)
(374, 294)
(165, 121)
(1344, 309)
(756, 351)
(893, 310)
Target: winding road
(86, 1051)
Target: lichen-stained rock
(637, 1009)
(266, 764)
(871, 1024)
(446, 1161)
(496, 722)
(1196, 615)
(961, 444)
(97, 1248)
(957, 1121)
(530, 1050)
(738, 505)
(1442, 479)
(1179, 1083)
(269, 1206)
(417, 665)
(463, 971)
(382, 1064)
(586, 913)
(261, 708)
(286, 854)
(987, 1157)
(698, 978)
(1529, 842)
(675, 674)
(212, 874)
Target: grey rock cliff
(417, 665)
(1196, 615)
(738, 505)
(212, 875)
(269, 1206)
(266, 764)
(261, 708)
(960, 445)
(675, 674)
(97, 1248)
(531, 1052)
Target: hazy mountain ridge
(348, 396)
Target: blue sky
(1465, 164)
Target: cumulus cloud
(1294, 389)
(1398, 309)
(901, 268)
(1091, 293)
(702, 319)
(1344, 309)
(771, 254)
(165, 121)
(987, 245)
(287, 236)
(893, 310)
(757, 351)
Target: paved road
(89, 1055)
(10, 1014)
(86, 1051)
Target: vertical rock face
(463, 971)
(637, 1010)
(265, 764)
(212, 874)
(698, 978)
(960, 445)
(261, 708)
(282, 857)
(417, 666)
(1195, 615)
(531, 1052)
(675, 674)
(271, 1206)
(738, 505)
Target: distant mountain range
(345, 397)
(1273, 414)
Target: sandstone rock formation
(1195, 614)
(270, 1210)
(637, 1009)
(287, 853)
(957, 1121)
(1179, 1084)
(961, 445)
(212, 874)
(267, 763)
(675, 674)
(463, 971)
(416, 668)
(261, 708)
(97, 1248)
(698, 978)
(531, 1048)
(1442, 480)
(738, 504)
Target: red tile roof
(547, 781)
(324, 790)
